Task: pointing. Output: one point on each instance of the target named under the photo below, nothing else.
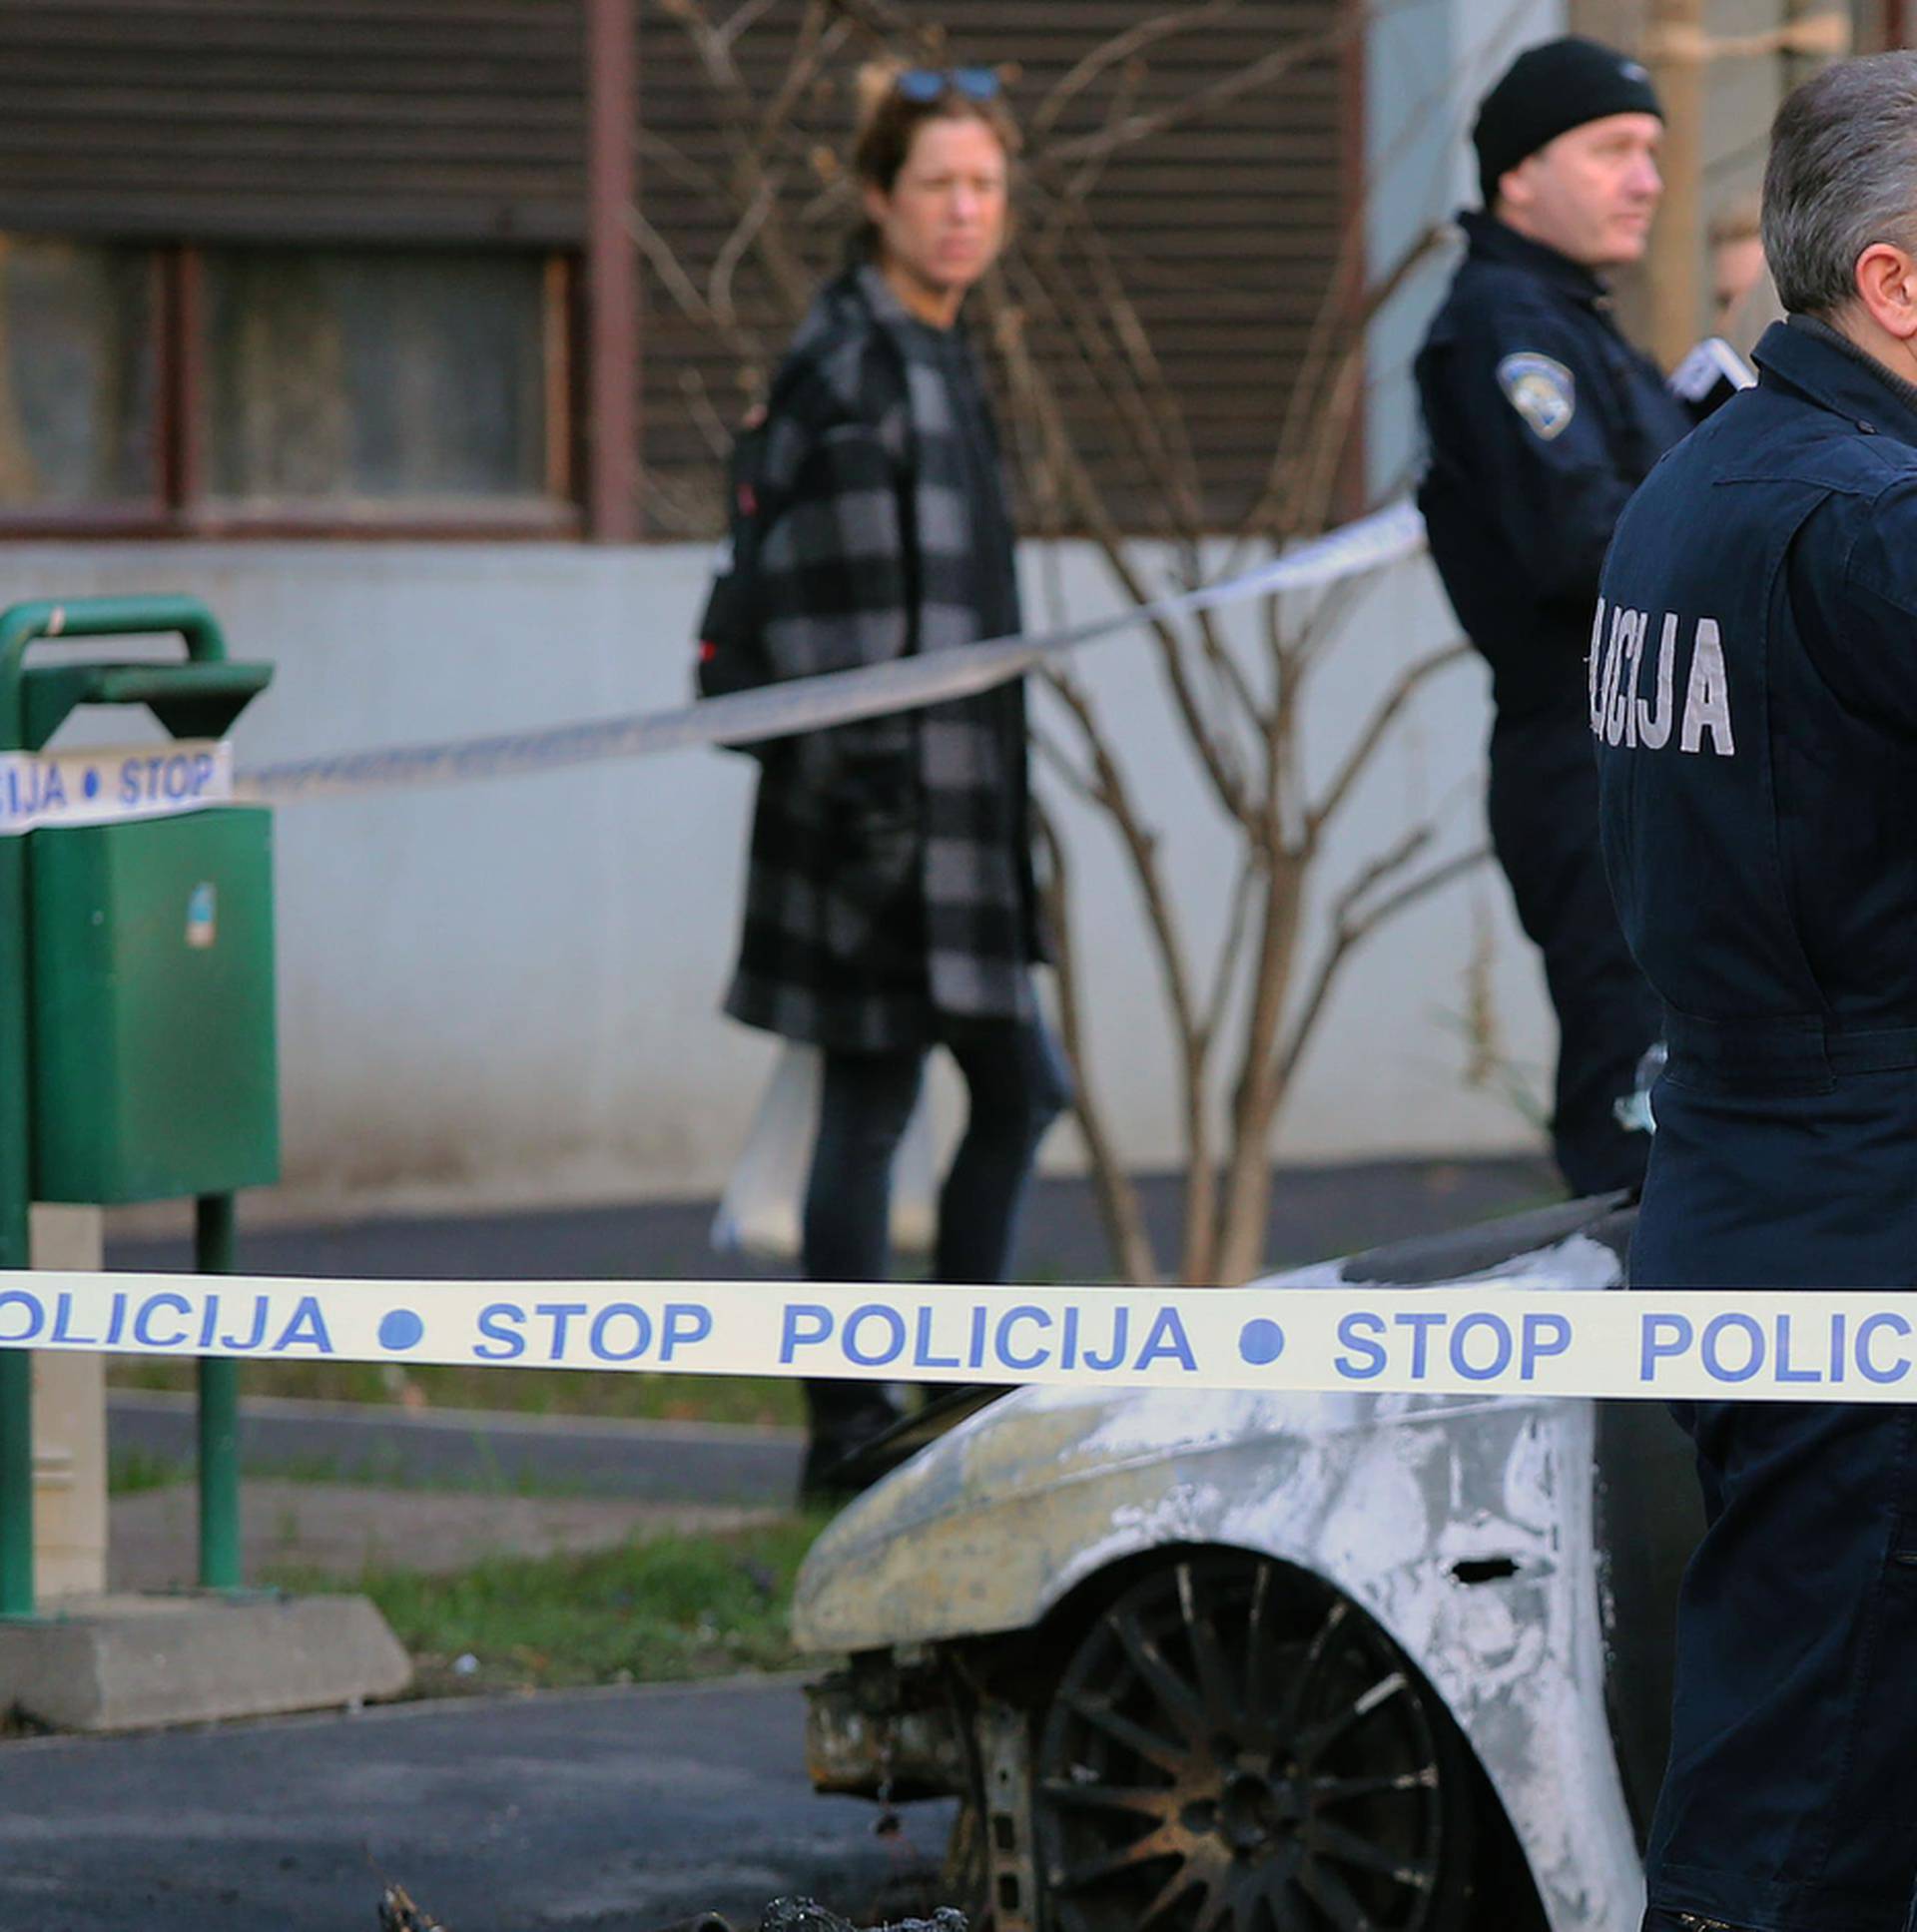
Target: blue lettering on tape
(1359, 1331)
(1483, 1345)
(31, 1316)
(804, 1325)
(500, 1326)
(173, 777)
(62, 1329)
(1502, 1347)
(1114, 1356)
(558, 1314)
(245, 1343)
(306, 1329)
(687, 1324)
(1868, 1331)
(1745, 1357)
(1421, 1322)
(923, 1355)
(1167, 1339)
(1545, 1336)
(877, 1335)
(1661, 1338)
(1039, 1355)
(891, 1324)
(1734, 1348)
(168, 1304)
(600, 1338)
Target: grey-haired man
(1753, 696)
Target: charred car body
(1276, 1664)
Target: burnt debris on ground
(399, 1913)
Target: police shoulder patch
(1541, 390)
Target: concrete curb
(136, 1662)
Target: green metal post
(16, 1366)
(219, 1414)
(16, 1483)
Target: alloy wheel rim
(1235, 1748)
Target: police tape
(831, 698)
(109, 785)
(1489, 1339)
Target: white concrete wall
(1428, 63)
(508, 991)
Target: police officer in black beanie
(1542, 419)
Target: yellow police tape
(1492, 1338)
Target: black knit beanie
(1546, 91)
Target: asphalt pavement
(355, 1442)
(618, 1811)
(1315, 1212)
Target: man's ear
(877, 203)
(1514, 189)
(1886, 279)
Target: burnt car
(1276, 1663)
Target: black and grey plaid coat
(889, 892)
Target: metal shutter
(1226, 231)
(340, 121)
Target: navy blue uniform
(1753, 693)
(1542, 419)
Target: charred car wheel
(1236, 1747)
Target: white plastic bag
(761, 1211)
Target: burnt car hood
(996, 1520)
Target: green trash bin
(150, 965)
(137, 1043)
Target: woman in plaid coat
(889, 904)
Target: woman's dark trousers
(1016, 1085)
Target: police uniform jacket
(889, 892)
(1542, 419)
(1753, 689)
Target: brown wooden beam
(1678, 51)
(612, 285)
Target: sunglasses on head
(923, 85)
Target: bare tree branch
(1112, 795)
(1349, 934)
(750, 225)
(1036, 395)
(746, 16)
(1201, 101)
(1364, 749)
(1118, 1202)
(1116, 51)
(1230, 951)
(1070, 774)
(789, 273)
(821, 37)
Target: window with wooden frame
(255, 390)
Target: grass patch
(543, 1392)
(131, 1472)
(663, 1611)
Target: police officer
(1542, 419)
(1753, 693)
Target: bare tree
(1242, 1006)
